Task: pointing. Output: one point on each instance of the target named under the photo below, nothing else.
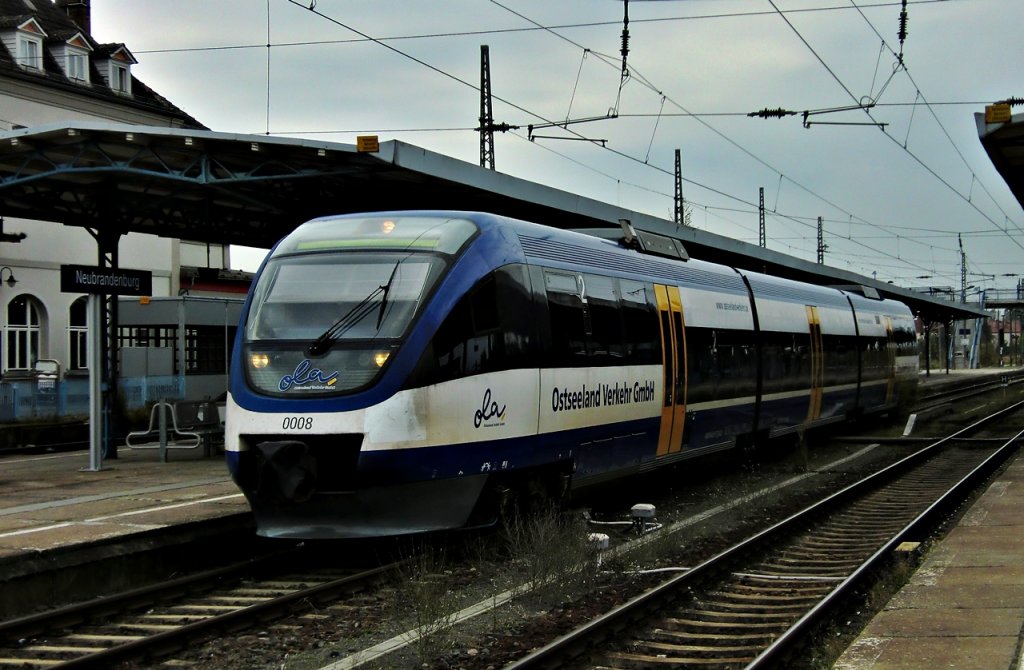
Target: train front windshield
(336, 298)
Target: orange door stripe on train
(673, 360)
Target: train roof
(253, 189)
(579, 250)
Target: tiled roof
(13, 20)
(59, 27)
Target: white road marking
(100, 519)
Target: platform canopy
(253, 189)
(1004, 143)
(1003, 140)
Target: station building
(53, 71)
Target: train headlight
(259, 361)
(380, 358)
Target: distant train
(402, 372)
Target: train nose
(287, 471)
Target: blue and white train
(404, 372)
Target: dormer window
(30, 52)
(77, 66)
(29, 45)
(120, 81)
(116, 68)
(74, 55)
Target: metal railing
(29, 399)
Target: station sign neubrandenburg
(111, 281)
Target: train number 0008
(297, 423)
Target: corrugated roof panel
(790, 291)
(691, 273)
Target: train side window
(906, 341)
(702, 366)
(599, 320)
(737, 363)
(785, 360)
(511, 313)
(875, 357)
(640, 321)
(488, 330)
(560, 282)
(449, 345)
(568, 322)
(722, 364)
(605, 339)
(840, 358)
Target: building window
(77, 66)
(30, 52)
(147, 336)
(120, 80)
(78, 333)
(23, 333)
(208, 349)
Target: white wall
(25, 105)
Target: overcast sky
(893, 200)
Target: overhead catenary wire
(665, 98)
(575, 86)
(920, 96)
(916, 158)
(648, 84)
(498, 31)
(268, 67)
(615, 151)
(874, 253)
(628, 115)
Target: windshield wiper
(384, 300)
(323, 343)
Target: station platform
(70, 533)
(51, 501)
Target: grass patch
(550, 554)
(425, 595)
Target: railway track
(754, 604)
(944, 395)
(161, 619)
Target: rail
(749, 560)
(153, 621)
(948, 501)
